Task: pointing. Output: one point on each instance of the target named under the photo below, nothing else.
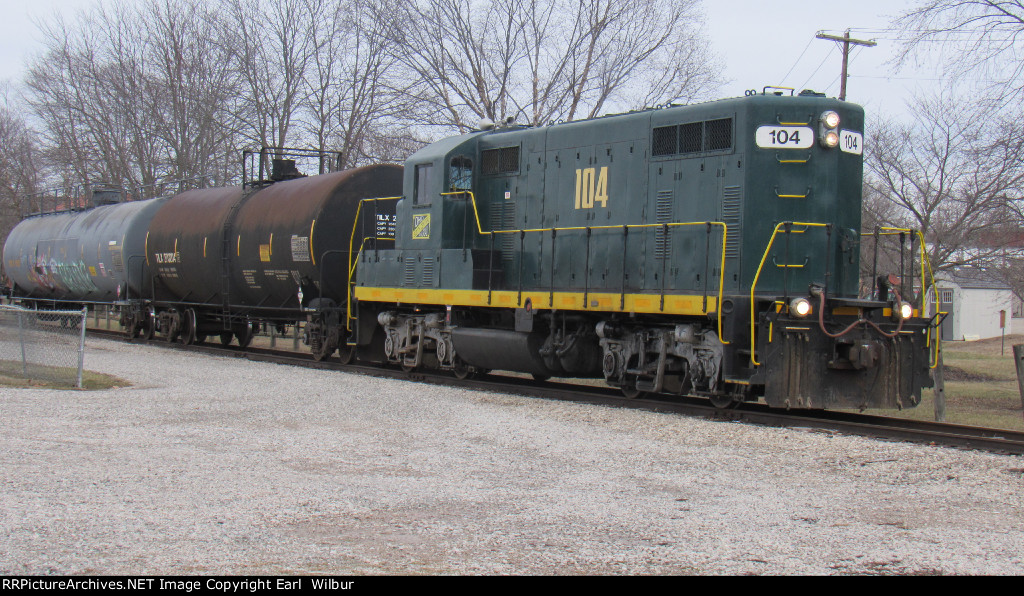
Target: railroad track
(866, 425)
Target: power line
(786, 77)
(825, 59)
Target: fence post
(1018, 361)
(940, 389)
(21, 338)
(81, 345)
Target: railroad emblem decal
(421, 226)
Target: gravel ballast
(212, 465)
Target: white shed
(979, 304)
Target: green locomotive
(709, 249)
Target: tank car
(95, 255)
(709, 249)
(226, 259)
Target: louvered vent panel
(663, 214)
(428, 272)
(410, 273)
(503, 217)
(731, 216)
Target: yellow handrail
(351, 240)
(725, 229)
(753, 286)
(925, 262)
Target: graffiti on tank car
(74, 276)
(40, 274)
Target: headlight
(830, 119)
(830, 139)
(906, 310)
(800, 307)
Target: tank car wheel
(149, 327)
(188, 327)
(540, 378)
(225, 338)
(244, 335)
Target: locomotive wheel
(540, 378)
(629, 390)
(460, 369)
(225, 338)
(724, 402)
(323, 352)
(347, 354)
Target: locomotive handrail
(757, 275)
(925, 263)
(806, 225)
(351, 269)
(725, 229)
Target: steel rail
(839, 422)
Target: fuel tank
(88, 256)
(257, 247)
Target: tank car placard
(784, 137)
(300, 249)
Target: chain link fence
(42, 345)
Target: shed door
(946, 305)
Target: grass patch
(43, 377)
(981, 385)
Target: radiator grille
(663, 215)
(731, 217)
(428, 272)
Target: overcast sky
(762, 42)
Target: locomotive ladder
(225, 255)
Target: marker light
(800, 307)
(830, 119)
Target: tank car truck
(709, 249)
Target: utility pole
(847, 42)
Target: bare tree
(190, 86)
(135, 95)
(981, 37)
(952, 174)
(271, 49)
(557, 60)
(355, 103)
(19, 153)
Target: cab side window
(424, 184)
(460, 174)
